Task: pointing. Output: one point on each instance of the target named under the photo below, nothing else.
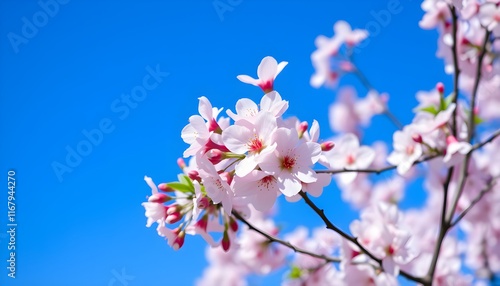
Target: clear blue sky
(64, 73)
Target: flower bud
(159, 198)
(233, 224)
(440, 87)
(179, 241)
(203, 203)
(194, 175)
(174, 217)
(173, 208)
(215, 156)
(327, 146)
(417, 138)
(181, 163)
(302, 128)
(165, 188)
(226, 243)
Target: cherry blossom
(291, 161)
(348, 155)
(406, 150)
(267, 72)
(253, 139)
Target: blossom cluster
(241, 162)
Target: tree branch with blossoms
(285, 243)
(241, 163)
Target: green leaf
(180, 187)
(295, 273)
(430, 109)
(186, 181)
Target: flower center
(255, 145)
(265, 182)
(350, 159)
(410, 149)
(288, 162)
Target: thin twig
(354, 240)
(474, 202)
(388, 168)
(285, 243)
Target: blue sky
(67, 70)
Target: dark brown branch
(456, 73)
(271, 238)
(354, 240)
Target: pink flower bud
(159, 198)
(215, 156)
(173, 218)
(194, 175)
(302, 128)
(327, 146)
(165, 188)
(179, 241)
(233, 224)
(440, 87)
(173, 208)
(226, 243)
(417, 138)
(203, 203)
(181, 163)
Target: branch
(456, 67)
(376, 171)
(474, 202)
(354, 240)
(464, 169)
(388, 168)
(285, 243)
(488, 140)
(476, 86)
